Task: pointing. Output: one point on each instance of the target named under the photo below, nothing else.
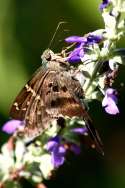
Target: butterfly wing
(63, 98)
(28, 104)
(76, 92)
(24, 100)
(45, 97)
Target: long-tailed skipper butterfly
(52, 91)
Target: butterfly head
(54, 61)
(47, 55)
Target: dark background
(26, 28)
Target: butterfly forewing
(24, 99)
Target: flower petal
(91, 39)
(110, 92)
(61, 150)
(50, 145)
(105, 101)
(111, 108)
(57, 160)
(104, 4)
(109, 102)
(75, 55)
(76, 39)
(11, 126)
(80, 130)
(75, 148)
(58, 155)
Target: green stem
(95, 71)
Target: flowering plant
(98, 59)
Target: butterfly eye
(48, 57)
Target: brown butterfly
(52, 91)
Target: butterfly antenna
(57, 28)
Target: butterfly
(53, 91)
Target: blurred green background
(26, 28)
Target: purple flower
(78, 52)
(57, 151)
(91, 39)
(76, 55)
(104, 4)
(82, 42)
(109, 102)
(11, 126)
(75, 149)
(80, 130)
(76, 39)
